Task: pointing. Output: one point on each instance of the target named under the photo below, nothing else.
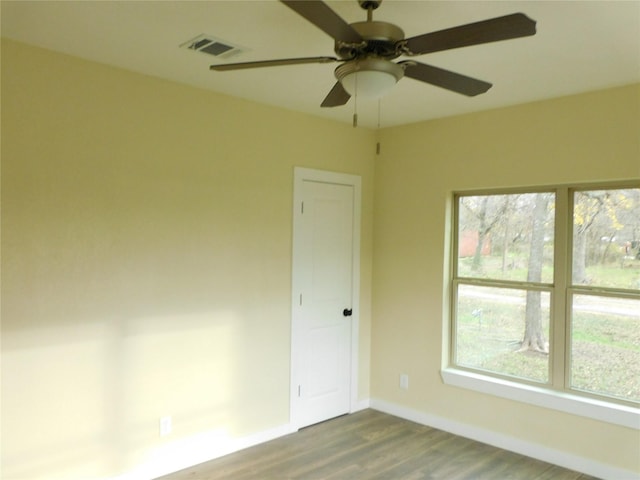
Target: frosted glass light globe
(368, 83)
(370, 77)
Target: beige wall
(146, 261)
(583, 138)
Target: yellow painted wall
(146, 261)
(582, 138)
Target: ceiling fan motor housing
(380, 39)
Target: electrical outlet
(165, 426)
(404, 381)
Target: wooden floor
(373, 445)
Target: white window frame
(556, 394)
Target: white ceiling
(579, 46)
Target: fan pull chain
(378, 143)
(355, 105)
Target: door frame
(321, 176)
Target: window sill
(623, 415)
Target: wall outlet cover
(165, 426)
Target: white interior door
(324, 325)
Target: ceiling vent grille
(213, 46)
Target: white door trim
(321, 176)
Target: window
(604, 297)
(546, 289)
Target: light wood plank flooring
(372, 445)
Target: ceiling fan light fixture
(369, 77)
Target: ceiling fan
(366, 50)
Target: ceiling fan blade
(271, 63)
(492, 30)
(444, 78)
(337, 96)
(325, 19)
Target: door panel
(324, 362)
(323, 260)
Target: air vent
(213, 46)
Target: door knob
(347, 312)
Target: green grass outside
(605, 347)
(625, 274)
(615, 276)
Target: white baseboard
(360, 405)
(534, 450)
(185, 453)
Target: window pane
(493, 332)
(606, 238)
(605, 346)
(506, 237)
